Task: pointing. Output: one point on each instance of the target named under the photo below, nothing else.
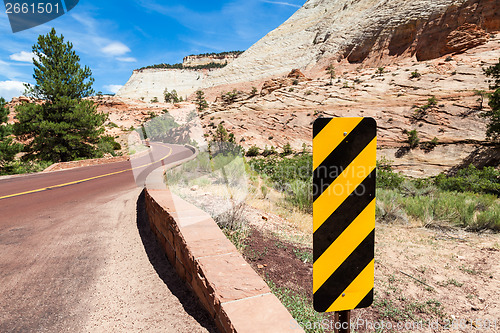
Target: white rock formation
(325, 31)
(150, 83)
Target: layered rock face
(146, 84)
(196, 60)
(374, 31)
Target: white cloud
(22, 56)
(8, 71)
(127, 59)
(113, 88)
(9, 89)
(115, 49)
(282, 3)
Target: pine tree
(330, 70)
(8, 148)
(200, 101)
(64, 127)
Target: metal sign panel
(344, 163)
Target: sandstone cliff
(374, 32)
(149, 83)
(370, 31)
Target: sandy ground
(445, 277)
(136, 289)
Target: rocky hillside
(412, 65)
(440, 99)
(370, 31)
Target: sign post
(344, 163)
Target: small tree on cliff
(64, 127)
(493, 130)
(331, 71)
(200, 101)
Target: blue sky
(115, 37)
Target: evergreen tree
(330, 70)
(8, 148)
(64, 127)
(200, 101)
(493, 130)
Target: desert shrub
(471, 179)
(283, 171)
(171, 97)
(107, 144)
(269, 151)
(386, 177)
(413, 139)
(454, 208)
(430, 145)
(291, 176)
(489, 219)
(264, 190)
(300, 194)
(287, 149)
(388, 208)
(415, 74)
(19, 167)
(252, 151)
(230, 96)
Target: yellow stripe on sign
(343, 246)
(344, 184)
(332, 136)
(356, 291)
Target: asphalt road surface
(77, 255)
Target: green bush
(489, 219)
(19, 167)
(455, 208)
(413, 139)
(386, 177)
(107, 144)
(292, 176)
(471, 179)
(415, 74)
(300, 194)
(287, 149)
(252, 151)
(269, 151)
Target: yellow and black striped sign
(344, 161)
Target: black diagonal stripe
(345, 274)
(343, 155)
(367, 301)
(319, 124)
(343, 216)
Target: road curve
(76, 253)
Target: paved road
(76, 254)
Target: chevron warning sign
(344, 160)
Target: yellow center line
(86, 179)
